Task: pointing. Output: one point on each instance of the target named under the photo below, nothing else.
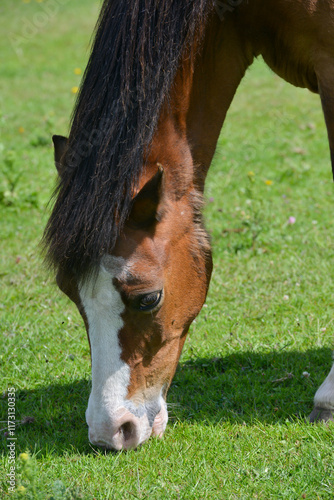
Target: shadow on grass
(245, 387)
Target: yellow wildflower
(21, 489)
(268, 182)
(77, 71)
(74, 90)
(24, 457)
(21, 130)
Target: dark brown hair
(137, 50)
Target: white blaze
(110, 375)
(108, 407)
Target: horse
(126, 236)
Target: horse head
(139, 302)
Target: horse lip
(101, 443)
(106, 446)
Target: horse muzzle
(128, 426)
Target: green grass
(239, 399)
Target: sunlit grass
(259, 349)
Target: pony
(125, 235)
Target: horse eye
(149, 301)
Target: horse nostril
(129, 434)
(128, 430)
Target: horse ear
(144, 212)
(60, 145)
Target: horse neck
(192, 118)
(219, 68)
(170, 146)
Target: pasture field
(262, 343)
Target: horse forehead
(137, 249)
(131, 260)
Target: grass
(240, 396)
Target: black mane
(136, 52)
